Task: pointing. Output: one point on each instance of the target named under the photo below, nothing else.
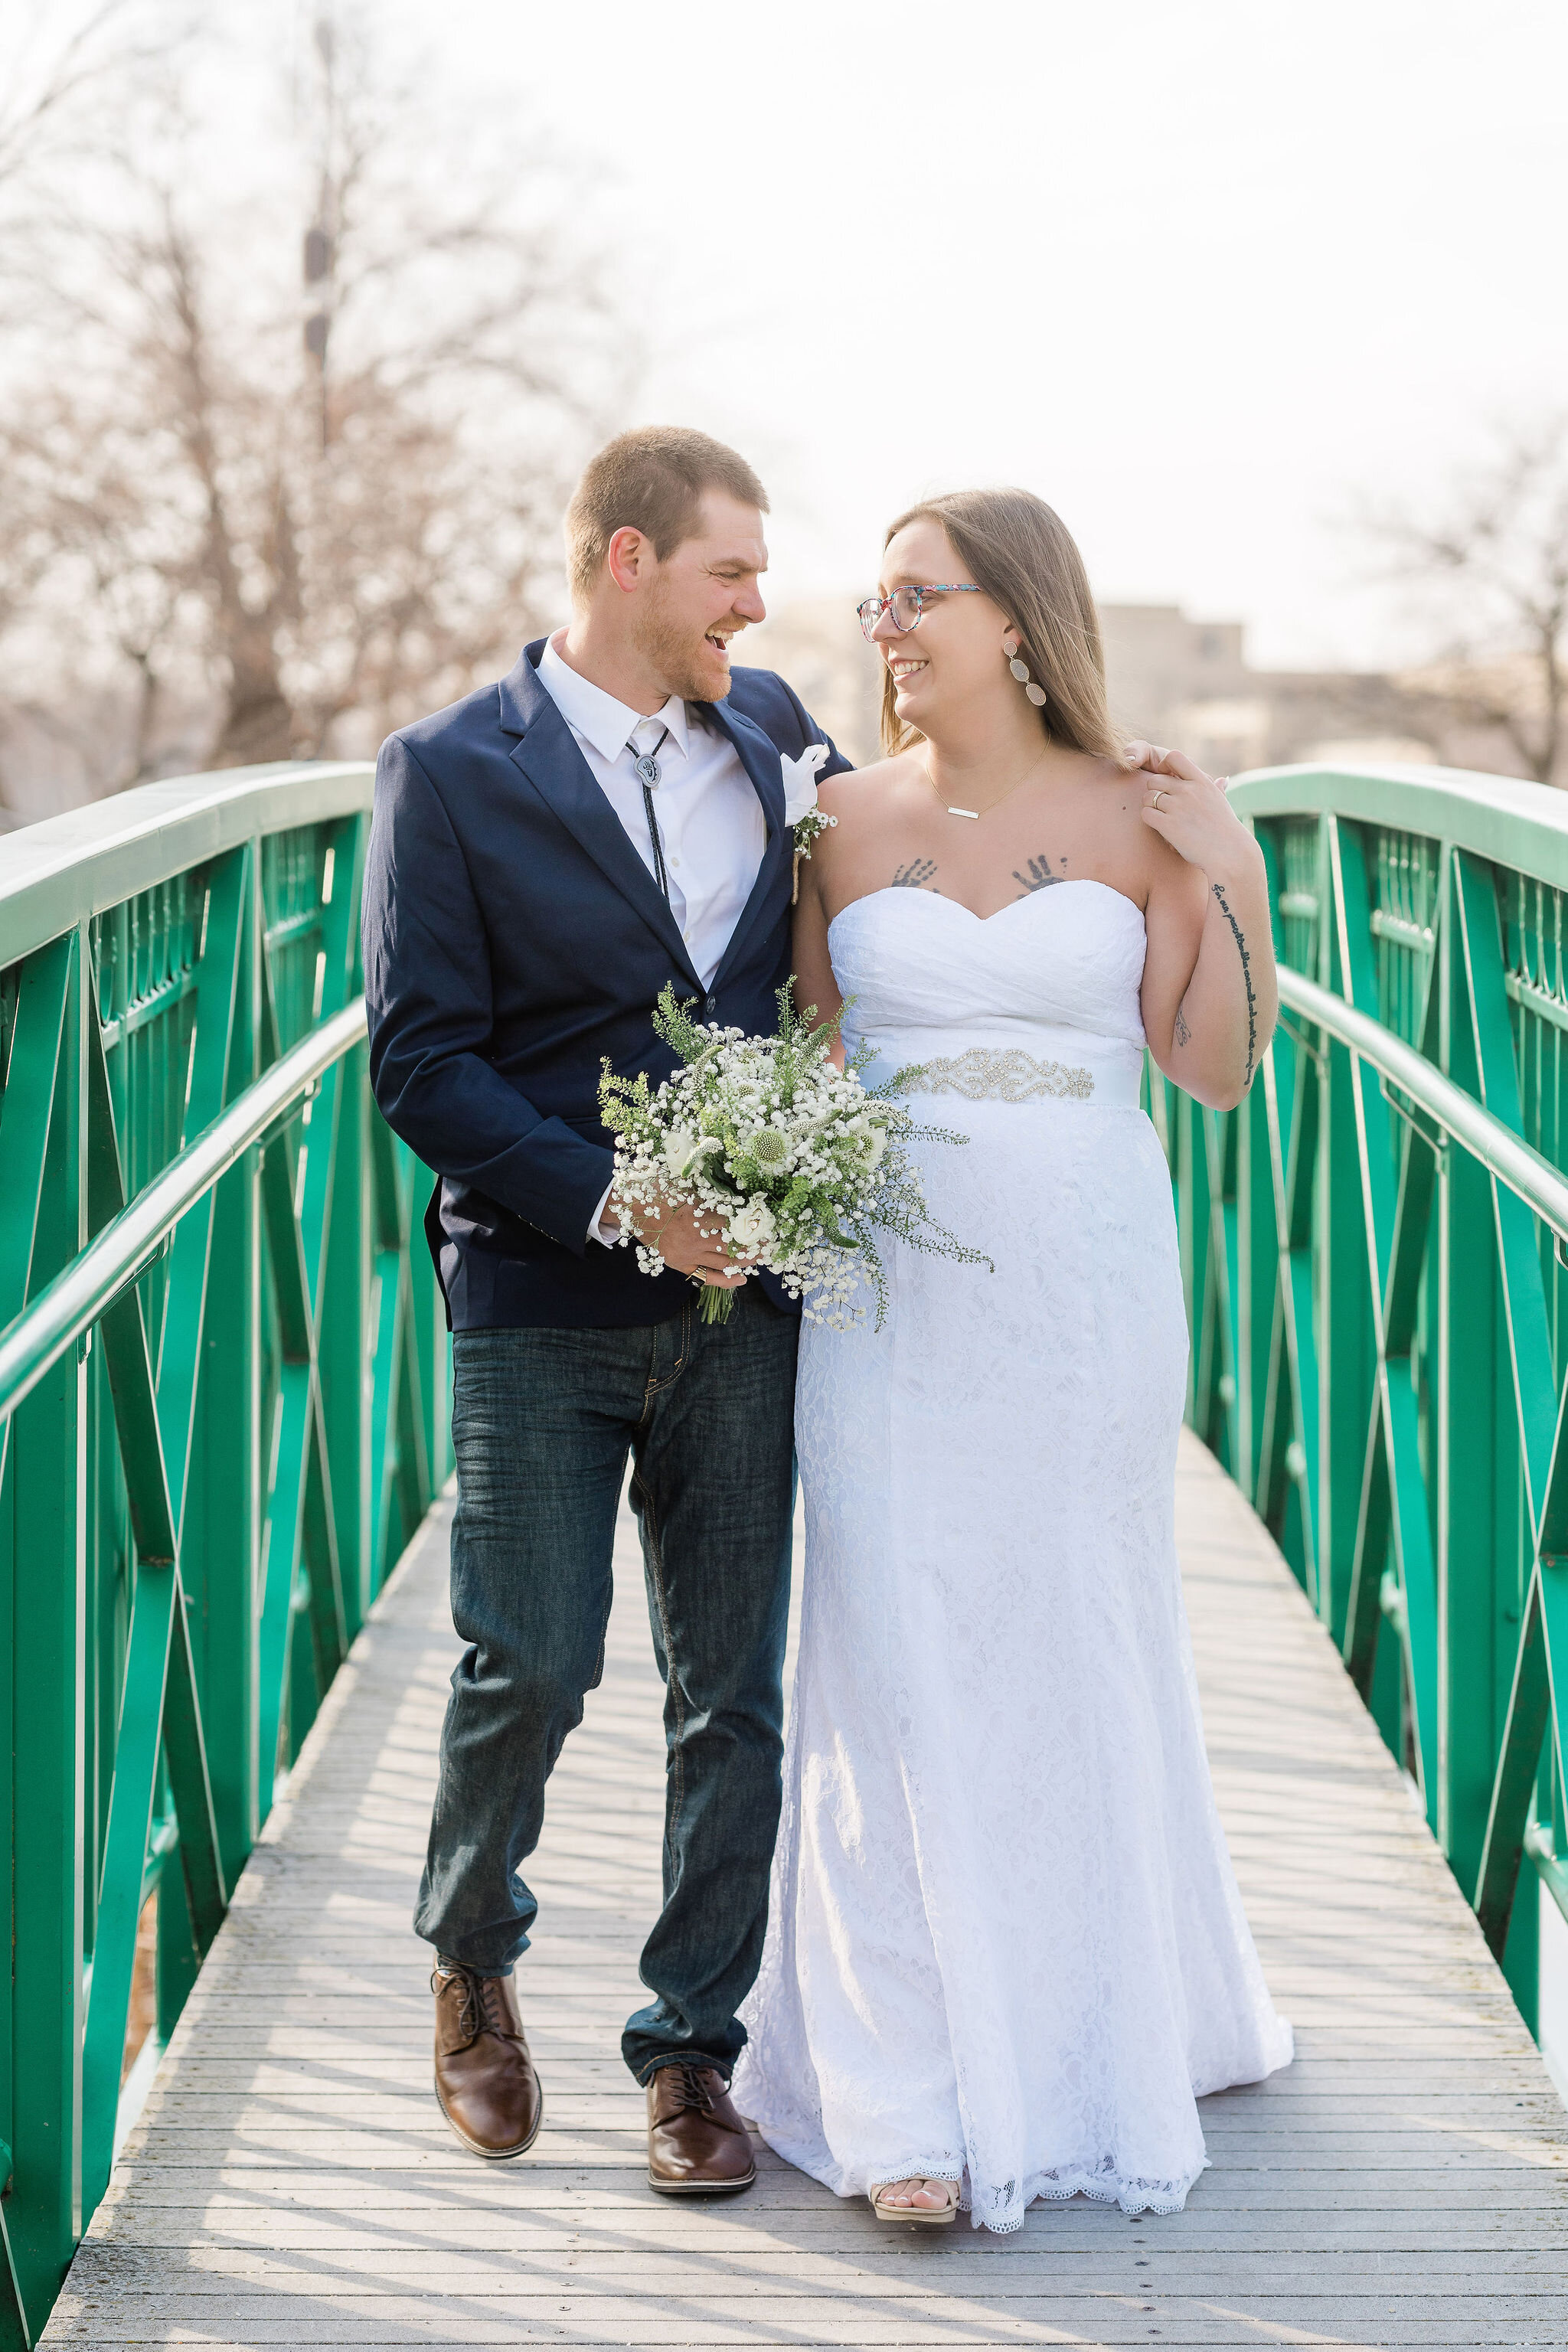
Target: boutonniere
(807, 821)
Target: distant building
(1187, 682)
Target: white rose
(752, 1226)
(683, 1149)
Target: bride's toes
(915, 2200)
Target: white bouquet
(795, 1160)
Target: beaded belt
(986, 1074)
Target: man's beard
(666, 645)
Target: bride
(1006, 1949)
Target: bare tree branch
(46, 94)
(1494, 566)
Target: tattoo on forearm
(915, 876)
(1183, 1035)
(1246, 982)
(1039, 876)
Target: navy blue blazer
(513, 937)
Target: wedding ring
(1157, 799)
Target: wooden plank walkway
(292, 2182)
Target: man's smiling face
(696, 600)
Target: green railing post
(222, 1536)
(1478, 1530)
(345, 1361)
(48, 1560)
(1258, 1258)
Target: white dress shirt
(710, 821)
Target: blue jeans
(542, 1422)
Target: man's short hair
(650, 480)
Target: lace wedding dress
(1006, 1944)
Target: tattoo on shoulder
(915, 876)
(1246, 982)
(1039, 876)
(1183, 1035)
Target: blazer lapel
(547, 753)
(761, 761)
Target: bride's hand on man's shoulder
(1188, 808)
(1155, 759)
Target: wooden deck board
(291, 2183)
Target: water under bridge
(223, 1451)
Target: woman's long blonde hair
(1020, 552)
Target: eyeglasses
(906, 604)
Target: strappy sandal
(933, 2216)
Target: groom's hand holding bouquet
(683, 1237)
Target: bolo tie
(646, 770)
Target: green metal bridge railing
(1376, 1250)
(223, 1407)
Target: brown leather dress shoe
(697, 2143)
(485, 2079)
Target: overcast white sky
(1199, 272)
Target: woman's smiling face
(954, 653)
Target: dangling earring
(1020, 670)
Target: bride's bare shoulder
(862, 795)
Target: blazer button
(712, 1004)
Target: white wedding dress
(1006, 1944)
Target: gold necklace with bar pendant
(974, 815)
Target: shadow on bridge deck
(292, 2182)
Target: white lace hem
(996, 2206)
(944, 2167)
(1101, 2183)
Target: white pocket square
(800, 781)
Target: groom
(545, 856)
